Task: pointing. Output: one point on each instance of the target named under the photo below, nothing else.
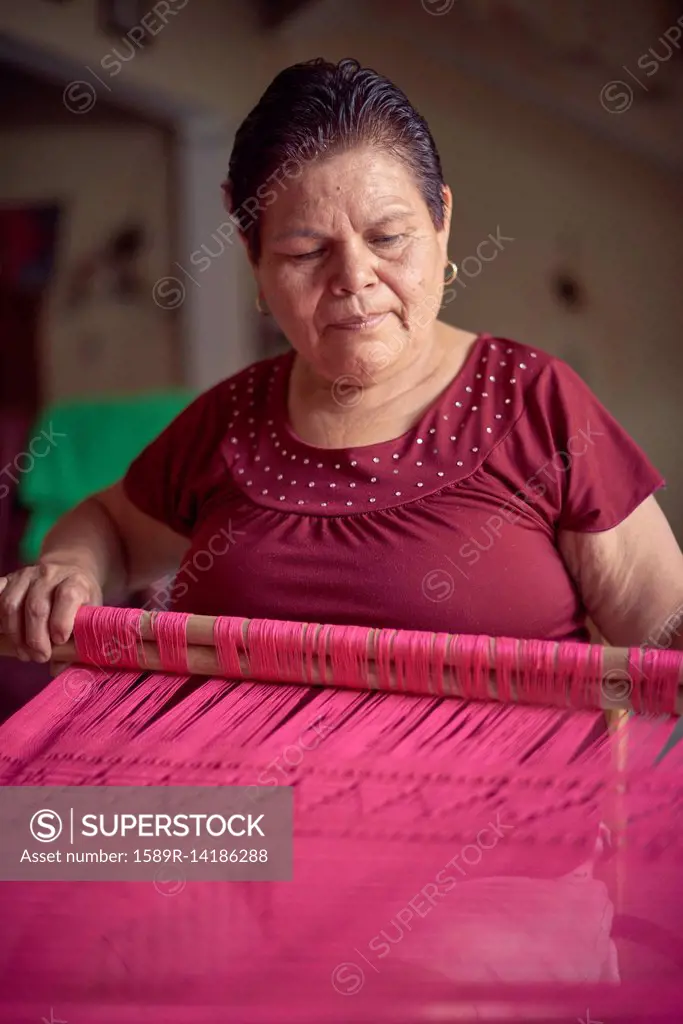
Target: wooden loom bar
(202, 660)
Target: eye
(387, 240)
(303, 256)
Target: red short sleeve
(590, 471)
(169, 478)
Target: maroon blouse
(450, 527)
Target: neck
(325, 414)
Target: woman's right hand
(38, 605)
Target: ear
(445, 232)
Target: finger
(70, 595)
(11, 609)
(37, 607)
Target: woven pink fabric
(453, 861)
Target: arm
(631, 578)
(102, 548)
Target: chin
(366, 354)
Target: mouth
(359, 323)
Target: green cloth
(80, 447)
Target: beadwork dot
(306, 461)
(503, 362)
(311, 484)
(273, 434)
(395, 471)
(372, 499)
(240, 471)
(499, 416)
(257, 458)
(475, 449)
(484, 394)
(533, 355)
(398, 494)
(489, 430)
(522, 366)
(453, 437)
(394, 456)
(269, 423)
(468, 388)
(491, 377)
(279, 476)
(420, 485)
(459, 463)
(264, 492)
(300, 501)
(323, 504)
(352, 485)
(283, 452)
(459, 405)
(440, 473)
(508, 351)
(333, 485)
(276, 443)
(445, 417)
(420, 441)
(432, 430)
(513, 380)
(320, 465)
(475, 408)
(375, 459)
(282, 497)
(292, 457)
(349, 503)
(252, 434)
(249, 483)
(354, 463)
(234, 440)
(373, 479)
(435, 451)
(418, 463)
(293, 483)
(493, 345)
(478, 376)
(507, 401)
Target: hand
(38, 605)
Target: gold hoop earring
(259, 307)
(452, 270)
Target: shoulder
(538, 382)
(217, 409)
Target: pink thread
(170, 633)
(229, 641)
(108, 636)
(661, 676)
(349, 655)
(275, 650)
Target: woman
(391, 470)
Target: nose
(352, 269)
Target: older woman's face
(352, 266)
